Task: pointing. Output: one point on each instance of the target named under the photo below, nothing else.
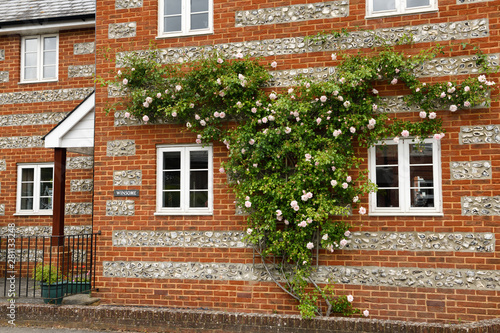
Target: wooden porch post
(58, 194)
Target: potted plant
(80, 284)
(53, 285)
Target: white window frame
(400, 9)
(405, 181)
(184, 208)
(39, 58)
(36, 189)
(186, 21)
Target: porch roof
(76, 130)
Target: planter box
(78, 288)
(53, 293)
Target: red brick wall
(8, 179)
(420, 304)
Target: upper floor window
(34, 188)
(39, 58)
(377, 8)
(185, 17)
(408, 176)
(184, 180)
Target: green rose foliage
(292, 154)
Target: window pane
(28, 175)
(30, 60)
(199, 21)
(49, 58)
(46, 203)
(27, 190)
(172, 180)
(416, 3)
(422, 198)
(46, 174)
(198, 160)
(198, 180)
(50, 43)
(421, 176)
(30, 45)
(49, 72)
(387, 176)
(27, 203)
(379, 5)
(387, 155)
(199, 6)
(172, 23)
(171, 199)
(172, 160)
(198, 199)
(173, 7)
(387, 198)
(421, 154)
(45, 189)
(30, 73)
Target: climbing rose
(343, 242)
(362, 210)
(334, 56)
(466, 104)
(394, 81)
(248, 204)
(239, 55)
(274, 64)
(353, 130)
(325, 237)
(125, 81)
(310, 245)
(396, 139)
(432, 115)
(323, 99)
(127, 115)
(374, 91)
(366, 313)
(249, 231)
(302, 224)
(349, 179)
(344, 185)
(437, 136)
(422, 114)
(272, 96)
(288, 130)
(350, 298)
(334, 183)
(220, 61)
(347, 104)
(405, 134)
(252, 141)
(347, 233)
(443, 95)
(453, 108)
(178, 87)
(221, 170)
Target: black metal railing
(48, 267)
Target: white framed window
(34, 189)
(184, 180)
(378, 8)
(39, 58)
(185, 17)
(408, 176)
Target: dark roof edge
(93, 91)
(41, 21)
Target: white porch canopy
(76, 130)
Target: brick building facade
(438, 264)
